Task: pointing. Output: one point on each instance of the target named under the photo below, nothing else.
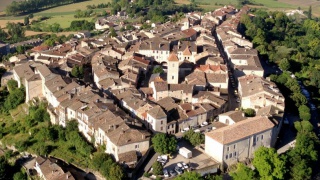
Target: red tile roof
(173, 57)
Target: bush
(157, 168)
(249, 112)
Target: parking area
(198, 160)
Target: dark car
(172, 173)
(178, 170)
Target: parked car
(165, 173)
(204, 123)
(180, 166)
(185, 165)
(172, 173)
(197, 131)
(178, 170)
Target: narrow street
(232, 98)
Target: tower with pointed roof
(173, 69)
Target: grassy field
(268, 4)
(62, 14)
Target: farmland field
(268, 4)
(61, 14)
(4, 3)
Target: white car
(185, 165)
(204, 124)
(180, 166)
(197, 131)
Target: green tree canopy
(157, 69)
(16, 31)
(304, 113)
(284, 64)
(269, 164)
(77, 71)
(26, 20)
(192, 175)
(12, 85)
(157, 168)
(19, 176)
(249, 112)
(164, 143)
(243, 173)
(3, 167)
(194, 138)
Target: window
(227, 156)
(172, 77)
(137, 146)
(230, 155)
(235, 154)
(228, 148)
(161, 122)
(172, 65)
(234, 146)
(161, 128)
(172, 125)
(257, 138)
(254, 141)
(261, 137)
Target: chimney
(143, 136)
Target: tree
(16, 97)
(194, 138)
(243, 173)
(112, 32)
(164, 143)
(309, 14)
(192, 175)
(157, 69)
(19, 176)
(304, 113)
(249, 112)
(26, 20)
(75, 71)
(3, 167)
(269, 164)
(284, 64)
(12, 85)
(157, 168)
(3, 34)
(16, 31)
(214, 177)
(116, 172)
(303, 126)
